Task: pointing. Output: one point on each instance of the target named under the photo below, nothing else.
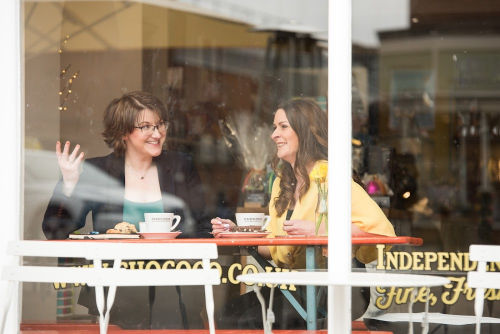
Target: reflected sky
(370, 17)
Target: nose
(274, 134)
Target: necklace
(140, 175)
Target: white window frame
(339, 163)
(10, 142)
(339, 151)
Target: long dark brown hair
(310, 123)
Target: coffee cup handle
(267, 219)
(177, 220)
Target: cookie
(123, 227)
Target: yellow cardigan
(364, 212)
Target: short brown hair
(121, 115)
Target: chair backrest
(112, 277)
(116, 251)
(482, 279)
(102, 250)
(484, 253)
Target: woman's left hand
(298, 227)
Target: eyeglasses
(149, 128)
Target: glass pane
(220, 69)
(427, 145)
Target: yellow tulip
(320, 172)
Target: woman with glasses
(138, 176)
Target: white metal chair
(100, 277)
(481, 278)
(323, 278)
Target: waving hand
(69, 164)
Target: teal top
(133, 212)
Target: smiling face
(141, 144)
(287, 141)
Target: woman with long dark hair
(301, 138)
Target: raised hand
(69, 164)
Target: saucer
(159, 235)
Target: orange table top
(191, 331)
(288, 240)
(66, 328)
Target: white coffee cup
(159, 222)
(252, 219)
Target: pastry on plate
(245, 228)
(124, 228)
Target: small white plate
(243, 234)
(160, 235)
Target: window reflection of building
(437, 94)
(425, 102)
(434, 96)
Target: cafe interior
(422, 134)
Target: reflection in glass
(206, 65)
(429, 72)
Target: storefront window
(220, 71)
(425, 138)
(425, 87)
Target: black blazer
(101, 188)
